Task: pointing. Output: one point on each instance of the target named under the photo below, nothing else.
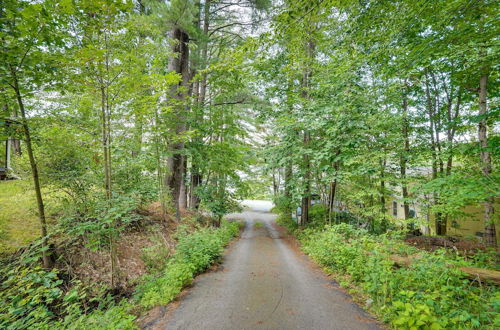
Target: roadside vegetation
(407, 287)
(32, 297)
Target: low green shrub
(430, 294)
(318, 214)
(155, 257)
(287, 222)
(33, 298)
(195, 252)
(114, 317)
(28, 297)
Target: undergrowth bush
(33, 298)
(431, 293)
(287, 222)
(194, 253)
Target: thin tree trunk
(288, 179)
(306, 198)
(383, 164)
(288, 187)
(196, 181)
(105, 144)
(331, 199)
(183, 192)
(451, 132)
(430, 107)
(405, 153)
(46, 259)
(490, 236)
(306, 79)
(333, 189)
(199, 95)
(204, 53)
(275, 184)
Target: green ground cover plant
(194, 253)
(432, 293)
(31, 297)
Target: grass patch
(258, 224)
(19, 224)
(18, 221)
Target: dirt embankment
(77, 261)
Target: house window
(395, 209)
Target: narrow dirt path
(264, 284)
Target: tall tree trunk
(306, 198)
(199, 96)
(333, 188)
(490, 236)
(405, 153)
(204, 53)
(46, 259)
(179, 63)
(183, 192)
(105, 143)
(306, 80)
(383, 164)
(331, 198)
(288, 187)
(450, 133)
(275, 184)
(432, 129)
(196, 181)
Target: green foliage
(31, 297)
(218, 201)
(287, 222)
(156, 256)
(194, 253)
(318, 214)
(27, 296)
(116, 316)
(103, 219)
(430, 294)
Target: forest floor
(264, 282)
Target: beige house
(468, 226)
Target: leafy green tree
(32, 37)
